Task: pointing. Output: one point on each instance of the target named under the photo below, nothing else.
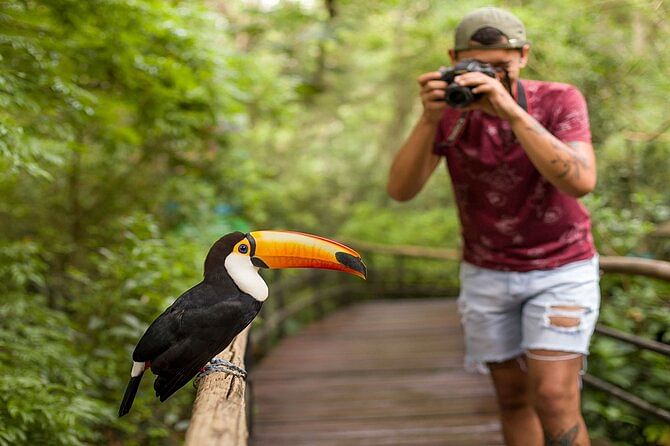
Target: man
(518, 157)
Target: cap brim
(498, 46)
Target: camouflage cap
(497, 18)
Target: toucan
(204, 320)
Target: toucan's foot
(221, 366)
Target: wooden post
(219, 416)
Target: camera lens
(458, 97)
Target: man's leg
(558, 321)
(521, 425)
(554, 386)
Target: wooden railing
(222, 411)
(219, 414)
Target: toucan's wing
(211, 330)
(167, 330)
(166, 385)
(159, 337)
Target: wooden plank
(376, 373)
(438, 430)
(439, 382)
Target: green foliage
(637, 306)
(133, 133)
(111, 146)
(44, 391)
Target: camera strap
(521, 93)
(458, 128)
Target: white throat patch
(245, 275)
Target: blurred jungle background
(134, 133)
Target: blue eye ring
(243, 249)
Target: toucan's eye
(243, 249)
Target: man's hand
(497, 101)
(432, 95)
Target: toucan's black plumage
(195, 328)
(205, 319)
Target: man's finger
(435, 95)
(468, 79)
(482, 89)
(435, 85)
(425, 77)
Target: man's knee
(554, 381)
(552, 398)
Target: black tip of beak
(352, 262)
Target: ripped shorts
(507, 313)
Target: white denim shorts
(506, 313)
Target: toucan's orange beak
(285, 249)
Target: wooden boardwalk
(376, 373)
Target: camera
(456, 95)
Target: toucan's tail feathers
(129, 396)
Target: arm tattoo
(566, 438)
(568, 159)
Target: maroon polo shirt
(511, 217)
